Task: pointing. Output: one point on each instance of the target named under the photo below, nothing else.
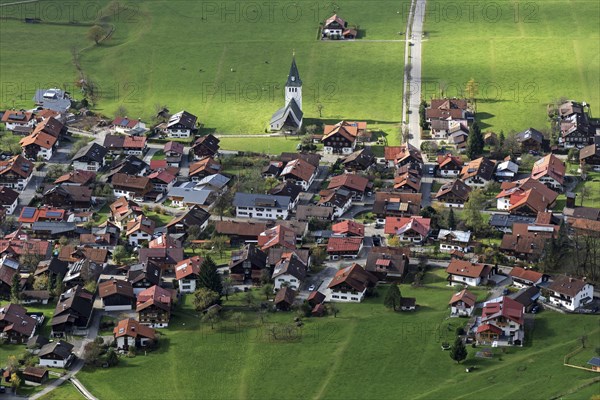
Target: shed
(35, 376)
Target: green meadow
(522, 55)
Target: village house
(173, 153)
(284, 298)
(287, 189)
(394, 204)
(413, 229)
(130, 186)
(181, 125)
(72, 312)
(336, 28)
(16, 327)
(462, 304)
(186, 273)
(344, 247)
(350, 284)
(523, 278)
(262, 206)
(449, 166)
(527, 297)
(359, 186)
(54, 99)
(90, 158)
(123, 210)
(162, 180)
(76, 177)
(205, 146)
(312, 158)
(590, 155)
(506, 171)
(405, 155)
(442, 129)
(348, 228)
(14, 120)
(449, 110)
(130, 165)
(527, 242)
(530, 140)
(195, 216)
(9, 199)
(129, 145)
(166, 258)
(273, 169)
(143, 276)
(408, 182)
(570, 293)
(550, 171)
(140, 229)
(525, 197)
(35, 376)
(340, 138)
(289, 117)
(359, 161)
(339, 200)
(71, 197)
(204, 167)
(131, 333)
(467, 273)
(454, 240)
(478, 173)
(240, 232)
(307, 213)
(278, 236)
(15, 172)
(185, 196)
(459, 139)
(576, 127)
(215, 183)
(388, 263)
(38, 145)
(289, 271)
(502, 322)
(453, 194)
(58, 354)
(247, 264)
(299, 172)
(124, 125)
(116, 295)
(154, 307)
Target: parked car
(311, 288)
(535, 309)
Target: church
(289, 117)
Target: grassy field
(522, 55)
(335, 357)
(225, 61)
(66, 391)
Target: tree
(267, 290)
(204, 298)
(91, 353)
(211, 316)
(319, 255)
(112, 359)
(320, 109)
(451, 219)
(573, 155)
(96, 33)
(265, 276)
(393, 241)
(12, 364)
(582, 195)
(475, 142)
(219, 243)
(121, 111)
(15, 382)
(227, 285)
(30, 261)
(422, 114)
(249, 300)
(223, 202)
(471, 89)
(119, 254)
(458, 351)
(55, 170)
(472, 210)
(40, 282)
(393, 298)
(15, 288)
(209, 276)
(332, 309)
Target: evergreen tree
(458, 352)
(15, 288)
(393, 298)
(209, 276)
(451, 220)
(475, 141)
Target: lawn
(336, 354)
(185, 55)
(66, 391)
(591, 196)
(523, 55)
(160, 219)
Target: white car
(311, 288)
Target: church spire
(294, 77)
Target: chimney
(518, 237)
(571, 280)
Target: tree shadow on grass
(481, 116)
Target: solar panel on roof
(53, 214)
(18, 117)
(28, 212)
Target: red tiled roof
(349, 227)
(187, 267)
(550, 166)
(466, 268)
(134, 142)
(351, 244)
(351, 181)
(526, 274)
(354, 276)
(132, 328)
(465, 296)
(277, 236)
(419, 224)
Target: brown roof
(481, 167)
(550, 166)
(548, 196)
(8, 196)
(457, 188)
(349, 227)
(311, 158)
(14, 318)
(528, 243)
(449, 159)
(187, 267)
(132, 328)
(35, 372)
(344, 244)
(285, 295)
(277, 236)
(306, 212)
(206, 164)
(383, 199)
(113, 286)
(78, 176)
(585, 224)
(354, 276)
(589, 151)
(407, 181)
(8, 116)
(40, 139)
(240, 228)
(300, 169)
(526, 274)
(465, 296)
(130, 181)
(141, 223)
(351, 181)
(467, 268)
(134, 142)
(17, 164)
(50, 126)
(567, 285)
(73, 253)
(343, 128)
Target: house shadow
(481, 116)
(205, 130)
(361, 33)
(333, 121)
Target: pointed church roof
(284, 112)
(294, 77)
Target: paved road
(412, 74)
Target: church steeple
(294, 77)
